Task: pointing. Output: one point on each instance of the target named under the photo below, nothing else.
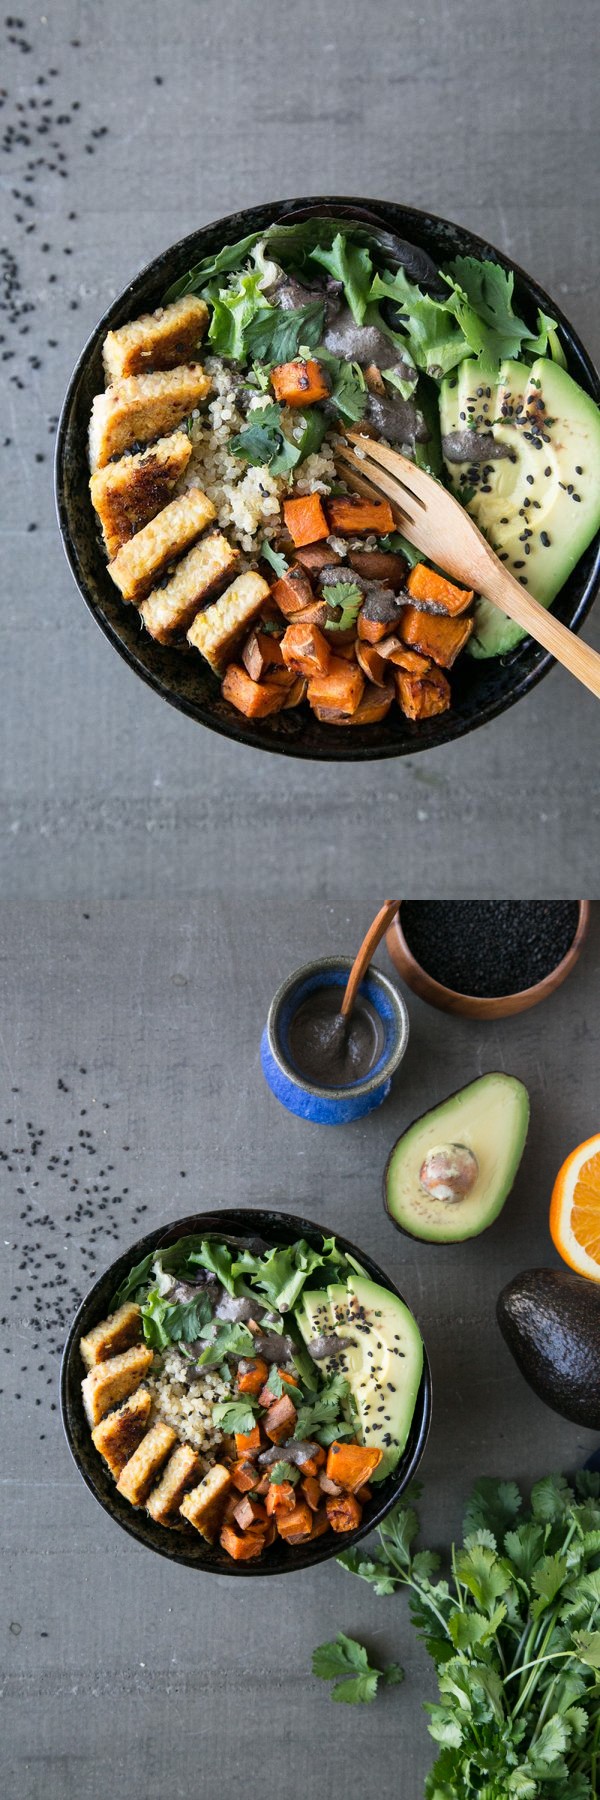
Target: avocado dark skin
(550, 1320)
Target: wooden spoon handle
(369, 944)
(579, 658)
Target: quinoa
(184, 1397)
(247, 499)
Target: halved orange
(575, 1209)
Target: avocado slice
(541, 479)
(448, 1176)
(550, 1320)
(383, 1362)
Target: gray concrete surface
(120, 1022)
(487, 115)
(158, 881)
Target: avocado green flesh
(383, 1363)
(490, 1117)
(522, 496)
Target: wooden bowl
(473, 1006)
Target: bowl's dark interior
(190, 1548)
(480, 689)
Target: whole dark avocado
(550, 1320)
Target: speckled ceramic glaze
(335, 1105)
(480, 690)
(186, 1546)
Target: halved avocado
(383, 1360)
(537, 499)
(467, 1150)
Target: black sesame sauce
(489, 948)
(328, 1056)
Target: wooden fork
(440, 528)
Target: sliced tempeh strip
(182, 1470)
(172, 608)
(118, 1435)
(218, 630)
(118, 1332)
(203, 1507)
(139, 1474)
(138, 563)
(110, 1382)
(127, 493)
(158, 340)
(142, 408)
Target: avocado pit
(449, 1173)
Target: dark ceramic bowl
(480, 690)
(280, 1559)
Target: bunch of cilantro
(514, 1632)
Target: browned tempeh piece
(110, 1382)
(142, 408)
(171, 608)
(182, 1470)
(127, 493)
(118, 1435)
(203, 1507)
(137, 565)
(158, 340)
(118, 1332)
(136, 1479)
(218, 630)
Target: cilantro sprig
(346, 1663)
(347, 599)
(514, 1632)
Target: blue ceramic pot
(332, 1105)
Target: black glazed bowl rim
(481, 689)
(281, 1559)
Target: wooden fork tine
(375, 480)
(413, 479)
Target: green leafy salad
(439, 361)
(514, 1632)
(311, 1316)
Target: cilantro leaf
(494, 1504)
(277, 560)
(347, 596)
(275, 337)
(263, 440)
(490, 324)
(348, 385)
(351, 264)
(234, 1415)
(321, 1409)
(551, 1499)
(284, 1471)
(345, 1662)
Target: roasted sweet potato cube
(371, 631)
(250, 1380)
(280, 1419)
(410, 660)
(352, 1464)
(364, 1493)
(242, 1547)
(243, 1476)
(315, 557)
(423, 696)
(297, 693)
(300, 383)
(327, 1486)
(292, 592)
(305, 519)
(312, 1492)
(341, 688)
(281, 1497)
(320, 1524)
(374, 706)
(305, 650)
(296, 1524)
(425, 585)
(351, 514)
(371, 663)
(440, 638)
(343, 1514)
(249, 1512)
(247, 1443)
(261, 653)
(256, 699)
(315, 614)
(379, 565)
